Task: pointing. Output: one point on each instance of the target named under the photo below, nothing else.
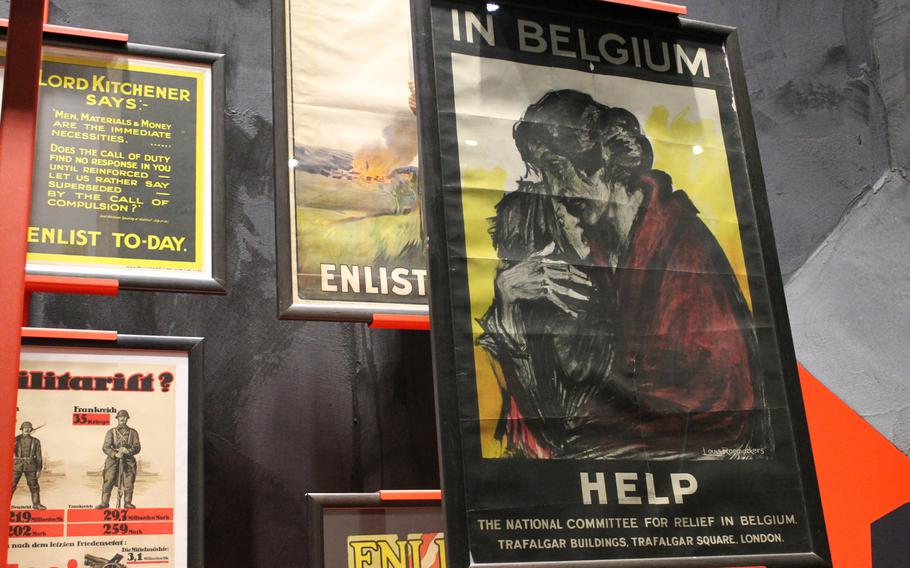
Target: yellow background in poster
(123, 63)
(384, 550)
(683, 124)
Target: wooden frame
(549, 488)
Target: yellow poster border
(196, 265)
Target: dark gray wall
(290, 407)
(293, 407)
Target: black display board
(616, 383)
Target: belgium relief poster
(615, 374)
(349, 209)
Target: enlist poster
(380, 537)
(617, 383)
(122, 184)
(100, 461)
(352, 140)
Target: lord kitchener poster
(353, 201)
(614, 385)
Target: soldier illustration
(27, 461)
(121, 444)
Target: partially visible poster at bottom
(100, 470)
(381, 537)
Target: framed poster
(615, 375)
(360, 530)
(107, 469)
(128, 177)
(347, 202)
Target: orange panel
(861, 475)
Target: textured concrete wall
(891, 20)
(818, 114)
(830, 88)
(292, 407)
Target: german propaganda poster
(379, 537)
(122, 183)
(613, 378)
(100, 474)
(352, 159)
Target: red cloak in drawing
(683, 378)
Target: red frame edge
(58, 333)
(71, 285)
(79, 32)
(400, 321)
(655, 5)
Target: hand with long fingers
(540, 277)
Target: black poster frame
(217, 283)
(193, 347)
(435, 114)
